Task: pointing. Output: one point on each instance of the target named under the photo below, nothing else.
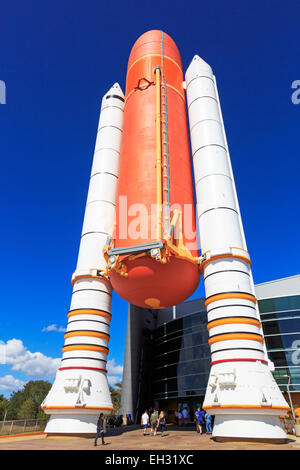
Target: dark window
(289, 325)
(282, 341)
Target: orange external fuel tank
(152, 253)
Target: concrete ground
(132, 438)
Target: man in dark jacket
(100, 429)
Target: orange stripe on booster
(89, 276)
(228, 321)
(86, 311)
(230, 295)
(76, 408)
(232, 336)
(85, 347)
(227, 255)
(247, 407)
(86, 333)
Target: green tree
(27, 403)
(116, 397)
(14, 405)
(3, 407)
(27, 410)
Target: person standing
(185, 414)
(208, 419)
(199, 419)
(162, 423)
(179, 418)
(145, 422)
(101, 429)
(154, 422)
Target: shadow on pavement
(170, 427)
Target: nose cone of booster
(114, 92)
(198, 67)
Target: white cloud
(113, 379)
(35, 364)
(2, 352)
(9, 383)
(114, 372)
(112, 368)
(54, 327)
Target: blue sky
(58, 58)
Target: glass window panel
(187, 341)
(159, 332)
(158, 387)
(187, 322)
(280, 303)
(197, 338)
(281, 378)
(174, 326)
(190, 381)
(278, 358)
(196, 305)
(282, 341)
(291, 325)
(171, 385)
(280, 315)
(177, 334)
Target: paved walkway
(131, 438)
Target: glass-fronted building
(167, 356)
(279, 306)
(181, 357)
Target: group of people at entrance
(202, 419)
(156, 421)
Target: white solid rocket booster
(80, 390)
(241, 390)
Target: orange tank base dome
(150, 284)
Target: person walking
(208, 420)
(154, 422)
(145, 422)
(162, 423)
(199, 419)
(101, 429)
